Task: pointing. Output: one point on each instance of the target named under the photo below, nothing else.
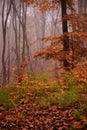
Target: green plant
(31, 76)
(68, 97)
(53, 98)
(54, 88)
(25, 82)
(76, 113)
(12, 96)
(5, 99)
(39, 92)
(42, 77)
(22, 98)
(70, 80)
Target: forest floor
(39, 105)
(30, 117)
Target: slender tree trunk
(26, 48)
(4, 28)
(8, 61)
(65, 30)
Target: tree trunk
(65, 30)
(4, 28)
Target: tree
(65, 30)
(4, 26)
(72, 51)
(14, 12)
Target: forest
(43, 64)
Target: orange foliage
(80, 72)
(55, 50)
(44, 5)
(76, 38)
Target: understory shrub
(5, 99)
(42, 91)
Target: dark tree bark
(65, 30)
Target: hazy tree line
(19, 38)
(13, 16)
(22, 30)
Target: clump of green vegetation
(53, 98)
(10, 97)
(5, 99)
(70, 80)
(42, 77)
(76, 113)
(45, 94)
(68, 97)
(31, 76)
(54, 87)
(39, 92)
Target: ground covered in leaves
(30, 117)
(37, 104)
